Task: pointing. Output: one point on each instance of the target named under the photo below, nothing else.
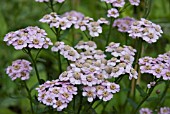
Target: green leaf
(133, 103)
(3, 28)
(141, 91)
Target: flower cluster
(159, 67)
(122, 60)
(92, 70)
(162, 110)
(78, 20)
(56, 94)
(113, 12)
(68, 52)
(121, 3)
(145, 111)
(59, 1)
(123, 24)
(30, 37)
(19, 69)
(145, 29)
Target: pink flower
(134, 2)
(113, 12)
(90, 92)
(145, 111)
(19, 69)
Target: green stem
(145, 98)
(29, 96)
(52, 8)
(86, 35)
(110, 28)
(35, 66)
(80, 106)
(37, 54)
(59, 62)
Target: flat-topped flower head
(58, 1)
(158, 67)
(145, 29)
(56, 94)
(123, 24)
(30, 37)
(19, 69)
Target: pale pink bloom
(105, 95)
(118, 3)
(90, 92)
(103, 21)
(145, 111)
(95, 29)
(112, 87)
(134, 2)
(89, 80)
(113, 12)
(164, 110)
(57, 46)
(64, 23)
(111, 47)
(59, 105)
(19, 69)
(81, 24)
(73, 13)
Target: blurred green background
(17, 14)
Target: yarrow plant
(92, 71)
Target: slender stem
(37, 54)
(29, 96)
(110, 27)
(51, 4)
(139, 50)
(35, 66)
(81, 100)
(59, 62)
(145, 98)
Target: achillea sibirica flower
(145, 111)
(30, 37)
(145, 29)
(19, 69)
(158, 67)
(113, 13)
(59, 1)
(56, 94)
(123, 24)
(76, 19)
(164, 110)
